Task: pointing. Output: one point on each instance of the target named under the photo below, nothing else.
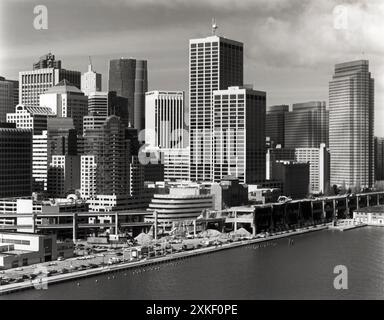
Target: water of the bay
(303, 270)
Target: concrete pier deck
(9, 288)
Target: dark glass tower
(129, 79)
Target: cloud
(291, 46)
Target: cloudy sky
(291, 46)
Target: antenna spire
(214, 26)
(90, 61)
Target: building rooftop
(35, 110)
(62, 87)
(375, 209)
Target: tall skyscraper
(58, 139)
(215, 63)
(98, 103)
(351, 125)
(6, 98)
(45, 74)
(111, 156)
(66, 101)
(379, 158)
(62, 137)
(164, 119)
(90, 81)
(307, 125)
(107, 104)
(239, 134)
(275, 124)
(129, 79)
(15, 161)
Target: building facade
(319, 166)
(277, 154)
(90, 81)
(40, 161)
(111, 156)
(7, 98)
(181, 204)
(176, 164)
(307, 125)
(239, 134)
(15, 161)
(379, 159)
(66, 101)
(215, 63)
(164, 119)
(46, 73)
(275, 124)
(295, 178)
(33, 118)
(63, 175)
(129, 79)
(351, 125)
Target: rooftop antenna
(214, 26)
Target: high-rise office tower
(129, 79)
(46, 73)
(239, 134)
(111, 156)
(164, 119)
(15, 161)
(40, 161)
(58, 139)
(90, 81)
(62, 137)
(307, 125)
(63, 175)
(379, 158)
(351, 125)
(275, 124)
(117, 106)
(176, 164)
(319, 161)
(88, 168)
(98, 103)
(66, 101)
(34, 118)
(6, 98)
(107, 104)
(215, 63)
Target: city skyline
(296, 72)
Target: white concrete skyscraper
(164, 119)
(90, 81)
(351, 125)
(215, 63)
